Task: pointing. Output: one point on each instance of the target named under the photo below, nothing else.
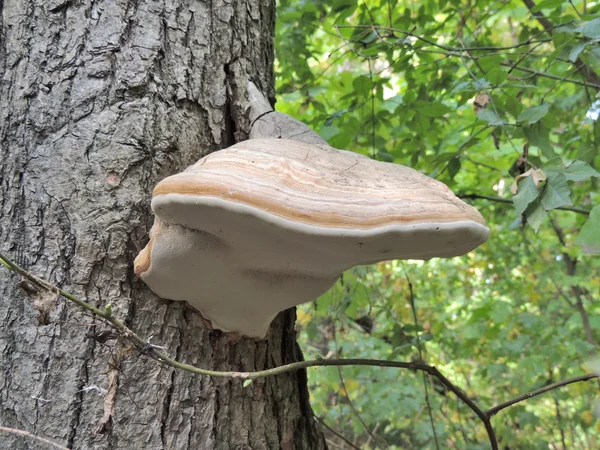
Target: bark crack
(170, 389)
(217, 408)
(79, 395)
(229, 127)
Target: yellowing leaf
(537, 175)
(587, 417)
(303, 317)
(481, 101)
(351, 386)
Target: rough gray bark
(99, 100)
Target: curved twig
(509, 201)
(153, 352)
(29, 435)
(492, 411)
(335, 433)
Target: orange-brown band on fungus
(188, 184)
(143, 260)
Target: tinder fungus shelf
(268, 224)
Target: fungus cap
(268, 224)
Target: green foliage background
(482, 96)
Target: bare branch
(509, 201)
(593, 81)
(335, 433)
(550, 76)
(376, 439)
(411, 298)
(445, 47)
(492, 411)
(153, 352)
(587, 72)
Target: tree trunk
(99, 100)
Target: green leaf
(328, 132)
(538, 136)
(491, 62)
(556, 192)
(533, 115)
(490, 117)
(463, 86)
(247, 383)
(453, 167)
(554, 164)
(587, 152)
(513, 106)
(422, 123)
(579, 171)
(497, 75)
(431, 109)
(575, 171)
(338, 5)
(362, 85)
(309, 7)
(576, 50)
(526, 194)
(535, 214)
(547, 4)
(567, 28)
(589, 236)
(443, 158)
(590, 29)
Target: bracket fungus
(268, 224)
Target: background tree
(481, 95)
(98, 101)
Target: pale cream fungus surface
(268, 224)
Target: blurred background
(499, 100)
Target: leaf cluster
(486, 98)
